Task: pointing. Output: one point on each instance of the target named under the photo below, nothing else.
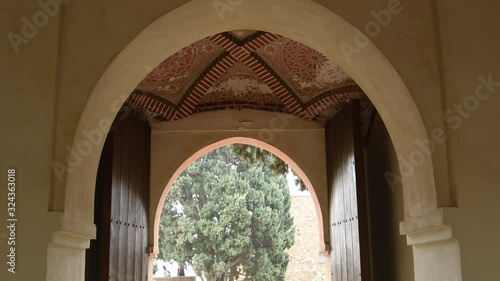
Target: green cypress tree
(256, 154)
(228, 218)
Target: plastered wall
(27, 95)
(470, 42)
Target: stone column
(66, 257)
(66, 252)
(436, 254)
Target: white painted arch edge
(319, 28)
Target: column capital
(326, 249)
(436, 254)
(77, 228)
(429, 235)
(415, 224)
(153, 250)
(66, 256)
(71, 240)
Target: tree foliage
(256, 154)
(228, 218)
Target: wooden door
(349, 237)
(122, 202)
(129, 201)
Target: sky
(294, 189)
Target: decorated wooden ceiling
(245, 69)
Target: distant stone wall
(175, 279)
(304, 261)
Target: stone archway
(370, 69)
(224, 142)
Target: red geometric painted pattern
(172, 77)
(244, 68)
(307, 71)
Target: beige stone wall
(304, 255)
(408, 40)
(28, 91)
(470, 42)
(187, 278)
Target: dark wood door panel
(123, 231)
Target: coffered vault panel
(245, 69)
(173, 76)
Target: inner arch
(238, 140)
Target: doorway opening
(229, 216)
